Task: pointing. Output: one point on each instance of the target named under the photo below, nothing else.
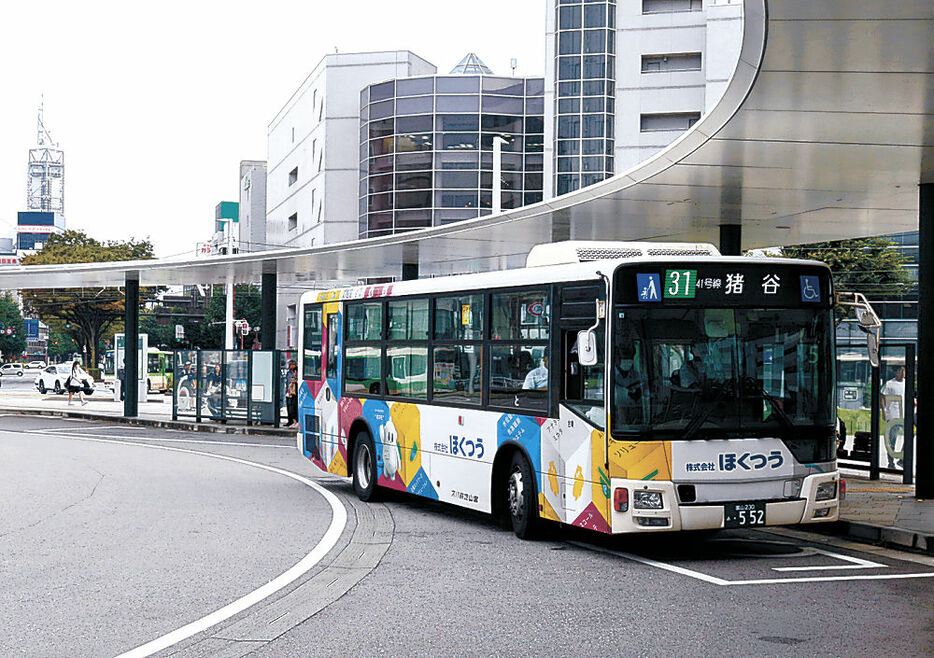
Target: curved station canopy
(825, 131)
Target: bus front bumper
(671, 515)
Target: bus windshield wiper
(698, 421)
(757, 386)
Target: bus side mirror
(587, 348)
(872, 346)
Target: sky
(156, 104)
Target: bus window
(365, 321)
(457, 374)
(583, 385)
(333, 324)
(408, 371)
(313, 339)
(362, 372)
(519, 376)
(521, 315)
(459, 318)
(408, 319)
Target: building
(313, 168)
(224, 238)
(37, 340)
(33, 228)
(627, 78)
(251, 235)
(426, 147)
(8, 252)
(312, 163)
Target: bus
(158, 370)
(618, 387)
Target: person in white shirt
(537, 379)
(893, 408)
(75, 383)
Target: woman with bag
(291, 395)
(75, 383)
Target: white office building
(627, 78)
(252, 211)
(313, 164)
(313, 142)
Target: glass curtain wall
(426, 149)
(585, 68)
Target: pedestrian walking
(75, 383)
(291, 395)
(893, 413)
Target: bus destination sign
(724, 284)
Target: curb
(887, 536)
(255, 430)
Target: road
(113, 537)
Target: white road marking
(57, 432)
(855, 563)
(697, 575)
(327, 542)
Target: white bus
(619, 387)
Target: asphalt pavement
(112, 538)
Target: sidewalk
(103, 407)
(884, 512)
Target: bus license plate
(740, 515)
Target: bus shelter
(239, 386)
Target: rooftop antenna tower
(45, 178)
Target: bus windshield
(698, 373)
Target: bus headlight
(647, 499)
(827, 491)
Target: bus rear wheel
(521, 498)
(364, 467)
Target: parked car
(12, 369)
(53, 379)
(36, 364)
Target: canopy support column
(924, 464)
(131, 345)
(731, 238)
(268, 304)
(410, 261)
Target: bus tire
(521, 498)
(364, 467)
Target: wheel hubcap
(363, 466)
(516, 495)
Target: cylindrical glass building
(426, 149)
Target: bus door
(313, 376)
(581, 389)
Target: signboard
(718, 284)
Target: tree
(13, 344)
(61, 347)
(872, 266)
(83, 314)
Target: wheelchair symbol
(810, 289)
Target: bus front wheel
(521, 498)
(364, 467)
